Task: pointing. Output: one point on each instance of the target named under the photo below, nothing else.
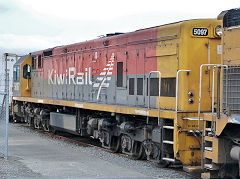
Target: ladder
(168, 128)
(208, 131)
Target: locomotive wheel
(37, 123)
(45, 124)
(29, 121)
(138, 151)
(115, 144)
(126, 144)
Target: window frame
(131, 84)
(119, 74)
(40, 60)
(140, 86)
(16, 73)
(33, 61)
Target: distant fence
(4, 110)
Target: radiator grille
(232, 18)
(231, 89)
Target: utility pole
(6, 93)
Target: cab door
(121, 77)
(40, 75)
(140, 78)
(132, 74)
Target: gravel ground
(35, 155)
(13, 168)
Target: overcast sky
(29, 25)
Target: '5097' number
(200, 31)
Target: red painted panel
(139, 46)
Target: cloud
(29, 25)
(27, 42)
(108, 9)
(3, 9)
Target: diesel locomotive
(221, 136)
(149, 93)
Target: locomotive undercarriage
(134, 138)
(34, 115)
(116, 132)
(226, 161)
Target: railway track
(89, 142)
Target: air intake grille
(231, 79)
(232, 18)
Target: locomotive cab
(21, 77)
(21, 84)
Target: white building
(11, 61)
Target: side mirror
(26, 71)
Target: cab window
(33, 62)
(39, 61)
(16, 73)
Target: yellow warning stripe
(101, 107)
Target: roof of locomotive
(20, 60)
(118, 35)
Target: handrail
(213, 86)
(199, 102)
(176, 108)
(159, 94)
(200, 88)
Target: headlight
(218, 30)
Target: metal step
(208, 166)
(211, 166)
(192, 118)
(168, 159)
(208, 129)
(168, 142)
(208, 149)
(208, 138)
(168, 127)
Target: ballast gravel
(36, 155)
